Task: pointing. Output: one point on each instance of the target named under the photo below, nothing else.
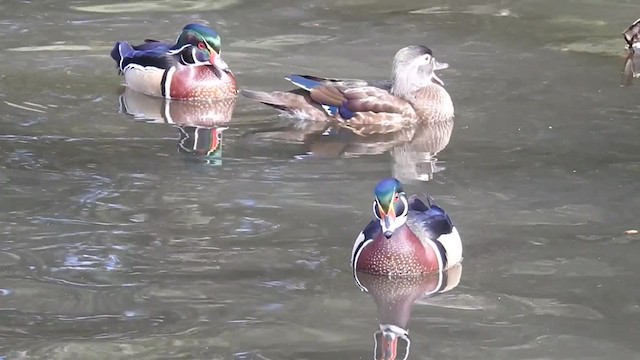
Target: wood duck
(414, 94)
(407, 236)
(192, 68)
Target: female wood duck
(192, 68)
(414, 94)
(407, 236)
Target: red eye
(396, 198)
(201, 46)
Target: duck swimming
(407, 236)
(414, 94)
(190, 69)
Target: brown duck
(414, 94)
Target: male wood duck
(632, 36)
(414, 94)
(394, 298)
(192, 68)
(407, 236)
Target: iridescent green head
(390, 205)
(194, 34)
(199, 45)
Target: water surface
(117, 244)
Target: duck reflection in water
(200, 124)
(202, 142)
(412, 148)
(333, 141)
(394, 298)
(416, 160)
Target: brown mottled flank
(431, 103)
(402, 254)
(201, 82)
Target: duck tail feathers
(264, 97)
(120, 52)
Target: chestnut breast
(201, 82)
(402, 254)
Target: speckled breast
(199, 82)
(402, 254)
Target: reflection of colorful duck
(202, 142)
(198, 123)
(394, 298)
(415, 160)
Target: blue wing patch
(345, 113)
(331, 110)
(303, 82)
(308, 83)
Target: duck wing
(428, 221)
(349, 83)
(373, 105)
(149, 54)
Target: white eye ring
(427, 58)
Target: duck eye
(201, 46)
(396, 198)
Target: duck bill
(387, 223)
(438, 66)
(218, 63)
(437, 80)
